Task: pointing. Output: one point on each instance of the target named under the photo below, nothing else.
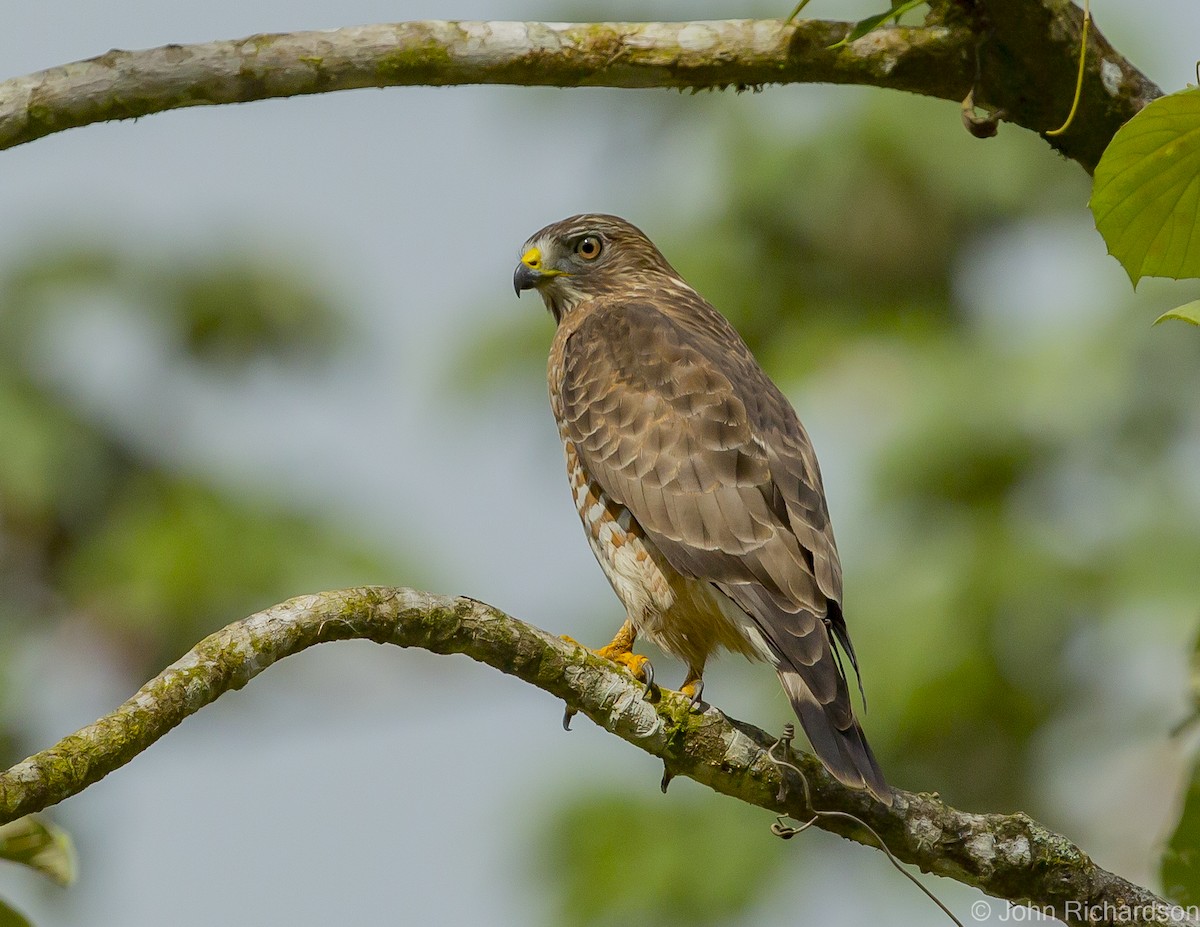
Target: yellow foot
(634, 662)
(692, 687)
(618, 652)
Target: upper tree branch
(936, 60)
(1009, 856)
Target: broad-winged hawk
(697, 484)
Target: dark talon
(648, 692)
(568, 714)
(695, 699)
(666, 779)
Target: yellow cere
(533, 260)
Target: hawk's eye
(588, 247)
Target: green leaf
(1188, 312)
(871, 23)
(41, 846)
(1146, 196)
(11, 917)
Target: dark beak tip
(524, 278)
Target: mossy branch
(1009, 856)
(934, 60)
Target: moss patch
(428, 58)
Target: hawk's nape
(697, 483)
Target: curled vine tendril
(787, 831)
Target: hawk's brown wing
(672, 416)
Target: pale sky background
(359, 784)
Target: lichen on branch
(1009, 856)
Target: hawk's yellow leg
(620, 650)
(693, 685)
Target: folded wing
(672, 416)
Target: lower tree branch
(1009, 856)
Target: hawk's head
(587, 256)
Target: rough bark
(1009, 856)
(1023, 50)
(1029, 60)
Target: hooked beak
(525, 277)
(532, 271)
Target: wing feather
(694, 434)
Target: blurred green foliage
(1180, 873)
(214, 307)
(624, 859)
(171, 547)
(92, 526)
(1021, 487)
(1181, 862)
(10, 917)
(41, 846)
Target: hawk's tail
(844, 751)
